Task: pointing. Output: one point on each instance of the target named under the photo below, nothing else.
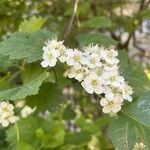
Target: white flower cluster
(7, 114)
(96, 68)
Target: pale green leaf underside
(26, 46)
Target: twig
(94, 8)
(142, 5)
(72, 18)
(142, 50)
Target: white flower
(52, 51)
(49, 58)
(53, 45)
(20, 103)
(127, 92)
(139, 146)
(91, 49)
(92, 83)
(26, 111)
(62, 57)
(93, 61)
(109, 56)
(112, 105)
(108, 91)
(74, 58)
(7, 114)
(112, 78)
(109, 67)
(78, 74)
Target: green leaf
(139, 110)
(68, 113)
(134, 74)
(56, 137)
(133, 125)
(97, 38)
(32, 133)
(80, 138)
(124, 133)
(97, 22)
(24, 132)
(30, 86)
(26, 46)
(5, 62)
(48, 98)
(25, 146)
(60, 79)
(33, 24)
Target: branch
(72, 18)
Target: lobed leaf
(31, 85)
(48, 98)
(33, 24)
(26, 46)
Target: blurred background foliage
(78, 123)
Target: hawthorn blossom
(78, 74)
(92, 49)
(62, 57)
(20, 103)
(93, 83)
(109, 56)
(7, 114)
(49, 58)
(127, 92)
(93, 61)
(112, 78)
(53, 45)
(26, 111)
(109, 67)
(112, 105)
(74, 58)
